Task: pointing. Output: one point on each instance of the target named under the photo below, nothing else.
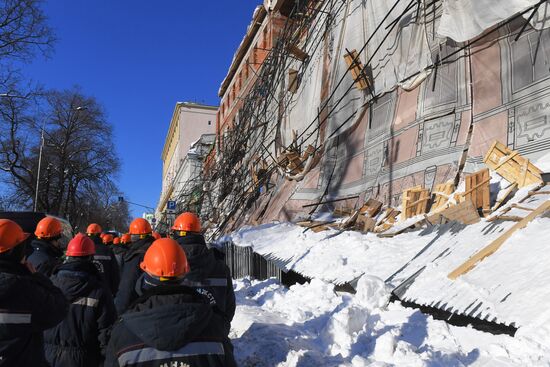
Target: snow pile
(333, 256)
(312, 325)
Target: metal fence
(243, 261)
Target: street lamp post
(39, 165)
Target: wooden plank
(463, 212)
(371, 207)
(355, 67)
(297, 52)
(503, 197)
(477, 189)
(364, 223)
(512, 166)
(292, 80)
(441, 193)
(496, 244)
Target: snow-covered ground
(312, 325)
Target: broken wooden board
(402, 226)
(496, 244)
(297, 52)
(350, 221)
(371, 208)
(523, 198)
(292, 80)
(463, 212)
(415, 202)
(364, 224)
(389, 217)
(342, 212)
(512, 166)
(355, 66)
(477, 189)
(504, 195)
(442, 193)
(315, 226)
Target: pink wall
(193, 123)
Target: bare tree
(78, 163)
(23, 30)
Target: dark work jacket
(169, 325)
(119, 251)
(130, 273)
(44, 257)
(81, 339)
(209, 275)
(106, 262)
(29, 304)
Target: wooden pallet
(371, 208)
(496, 244)
(415, 202)
(512, 166)
(477, 190)
(463, 212)
(355, 66)
(441, 195)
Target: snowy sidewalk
(312, 325)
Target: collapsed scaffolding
(255, 157)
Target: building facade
(189, 139)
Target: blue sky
(138, 58)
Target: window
(209, 122)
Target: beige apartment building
(188, 135)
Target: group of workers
(137, 300)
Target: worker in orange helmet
(30, 303)
(141, 235)
(81, 339)
(107, 239)
(208, 270)
(121, 247)
(169, 324)
(116, 241)
(46, 248)
(104, 258)
(126, 239)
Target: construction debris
(355, 67)
(495, 245)
(441, 193)
(463, 212)
(415, 202)
(512, 166)
(386, 220)
(477, 190)
(371, 208)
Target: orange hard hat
(80, 245)
(125, 239)
(165, 258)
(94, 229)
(11, 235)
(116, 240)
(107, 238)
(140, 226)
(156, 235)
(48, 227)
(188, 222)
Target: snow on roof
(329, 255)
